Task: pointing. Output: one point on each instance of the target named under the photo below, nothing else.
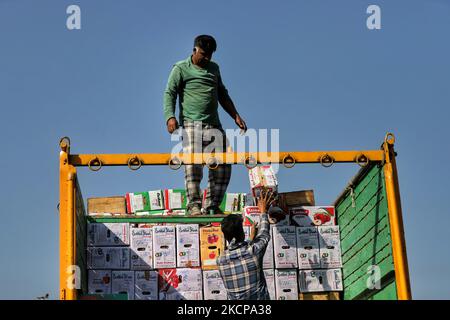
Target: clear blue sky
(310, 68)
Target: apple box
(262, 177)
(213, 286)
(141, 248)
(164, 253)
(330, 247)
(99, 281)
(308, 248)
(175, 199)
(251, 216)
(108, 258)
(269, 274)
(211, 246)
(182, 280)
(320, 280)
(286, 286)
(285, 247)
(268, 259)
(123, 282)
(108, 234)
(146, 285)
(309, 216)
(188, 245)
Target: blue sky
(310, 68)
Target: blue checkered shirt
(241, 269)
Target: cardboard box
(164, 252)
(123, 282)
(175, 199)
(230, 203)
(285, 247)
(269, 274)
(308, 216)
(286, 284)
(99, 281)
(268, 259)
(298, 198)
(213, 286)
(108, 234)
(320, 280)
(175, 282)
(308, 248)
(145, 201)
(112, 205)
(146, 285)
(179, 295)
(330, 247)
(108, 258)
(251, 216)
(211, 246)
(188, 245)
(137, 202)
(246, 200)
(141, 248)
(262, 177)
(332, 295)
(175, 212)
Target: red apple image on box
(310, 216)
(211, 246)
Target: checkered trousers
(201, 137)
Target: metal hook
(250, 162)
(175, 163)
(132, 161)
(288, 161)
(326, 160)
(212, 163)
(362, 160)
(95, 162)
(389, 138)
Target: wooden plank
(381, 235)
(374, 190)
(346, 204)
(116, 204)
(358, 286)
(374, 212)
(387, 293)
(376, 260)
(331, 295)
(367, 254)
(370, 223)
(298, 198)
(157, 219)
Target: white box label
(141, 248)
(188, 245)
(285, 247)
(308, 248)
(123, 282)
(164, 253)
(286, 284)
(146, 285)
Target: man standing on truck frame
(198, 84)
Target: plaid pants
(200, 137)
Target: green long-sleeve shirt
(198, 90)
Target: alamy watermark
(373, 22)
(73, 21)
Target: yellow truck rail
(69, 189)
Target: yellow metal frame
(68, 164)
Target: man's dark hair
(232, 228)
(206, 42)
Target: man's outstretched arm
(170, 99)
(228, 105)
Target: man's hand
(265, 200)
(172, 125)
(240, 122)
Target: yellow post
(396, 221)
(67, 226)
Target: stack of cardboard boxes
(155, 262)
(178, 261)
(158, 202)
(306, 245)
